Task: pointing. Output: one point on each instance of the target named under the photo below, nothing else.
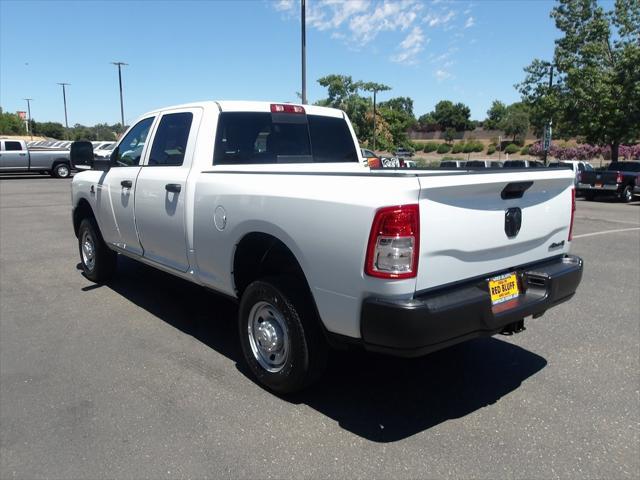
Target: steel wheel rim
(268, 336)
(628, 195)
(88, 249)
(63, 171)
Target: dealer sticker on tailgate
(503, 288)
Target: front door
(121, 179)
(13, 156)
(161, 189)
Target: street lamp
(64, 99)
(120, 65)
(29, 100)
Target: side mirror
(102, 163)
(81, 155)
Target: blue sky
(183, 51)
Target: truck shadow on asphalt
(380, 398)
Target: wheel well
(259, 255)
(59, 161)
(83, 210)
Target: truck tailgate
(463, 232)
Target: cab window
(12, 146)
(130, 148)
(170, 140)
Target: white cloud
(331, 14)
(436, 20)
(442, 75)
(357, 23)
(284, 5)
(386, 16)
(410, 47)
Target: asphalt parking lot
(142, 378)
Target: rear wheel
(61, 170)
(97, 260)
(281, 338)
(627, 194)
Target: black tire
(627, 194)
(307, 350)
(589, 196)
(61, 170)
(104, 260)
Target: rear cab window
(263, 138)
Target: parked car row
(16, 157)
(620, 180)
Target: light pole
(64, 99)
(546, 141)
(375, 88)
(303, 14)
(29, 100)
(120, 65)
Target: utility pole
(374, 119)
(546, 141)
(303, 14)
(29, 100)
(64, 99)
(120, 65)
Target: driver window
(130, 148)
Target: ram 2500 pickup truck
(618, 180)
(16, 157)
(270, 204)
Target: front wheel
(97, 260)
(282, 341)
(61, 170)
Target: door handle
(126, 183)
(173, 187)
(22, 154)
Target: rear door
(13, 155)
(465, 231)
(161, 189)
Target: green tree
(49, 129)
(515, 121)
(399, 104)
(427, 119)
(495, 115)
(597, 90)
(11, 124)
(449, 135)
(450, 115)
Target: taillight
(394, 243)
(374, 162)
(573, 211)
(286, 108)
(619, 178)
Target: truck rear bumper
(433, 321)
(604, 189)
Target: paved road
(141, 378)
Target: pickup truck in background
(619, 180)
(16, 157)
(270, 204)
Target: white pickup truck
(16, 157)
(270, 204)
